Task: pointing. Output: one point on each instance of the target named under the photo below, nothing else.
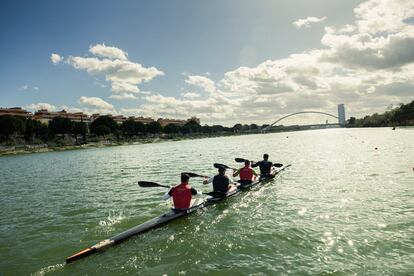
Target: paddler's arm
(208, 180)
(195, 192)
(167, 195)
(236, 173)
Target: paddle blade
(191, 174)
(277, 165)
(147, 184)
(218, 165)
(239, 160)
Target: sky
(224, 61)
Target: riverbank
(6, 150)
(39, 148)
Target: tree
(193, 127)
(60, 125)
(79, 128)
(10, 125)
(140, 128)
(405, 114)
(102, 130)
(32, 129)
(185, 129)
(103, 125)
(401, 115)
(351, 121)
(207, 129)
(171, 129)
(128, 128)
(154, 127)
(44, 133)
(237, 127)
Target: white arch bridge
(296, 113)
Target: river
(345, 206)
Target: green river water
(343, 208)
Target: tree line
(33, 131)
(403, 115)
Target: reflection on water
(345, 206)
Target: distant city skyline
(224, 62)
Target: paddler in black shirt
(221, 182)
(265, 165)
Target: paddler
(221, 182)
(247, 174)
(182, 193)
(265, 165)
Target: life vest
(181, 195)
(246, 173)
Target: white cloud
(121, 87)
(190, 95)
(92, 105)
(306, 22)
(111, 62)
(27, 87)
(101, 50)
(368, 51)
(123, 96)
(203, 82)
(383, 16)
(55, 58)
(37, 106)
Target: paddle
(191, 174)
(239, 160)
(242, 160)
(146, 184)
(218, 165)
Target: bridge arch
(296, 113)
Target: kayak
(139, 229)
(163, 219)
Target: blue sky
(223, 61)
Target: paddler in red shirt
(247, 174)
(182, 193)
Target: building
(165, 121)
(140, 119)
(341, 114)
(16, 111)
(119, 119)
(45, 116)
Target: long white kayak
(165, 218)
